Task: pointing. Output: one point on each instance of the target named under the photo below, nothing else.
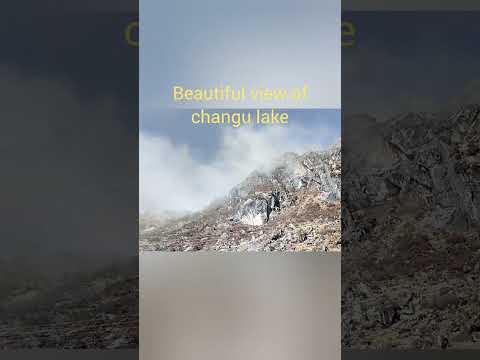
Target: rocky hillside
(89, 311)
(411, 245)
(290, 205)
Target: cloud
(171, 180)
(64, 160)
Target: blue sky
(322, 128)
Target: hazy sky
(214, 43)
(405, 62)
(69, 143)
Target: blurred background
(254, 306)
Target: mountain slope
(290, 205)
(87, 311)
(410, 256)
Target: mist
(64, 161)
(172, 179)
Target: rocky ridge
(411, 245)
(291, 205)
(89, 311)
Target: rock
(442, 301)
(411, 214)
(390, 315)
(294, 193)
(277, 235)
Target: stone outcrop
(290, 205)
(410, 255)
